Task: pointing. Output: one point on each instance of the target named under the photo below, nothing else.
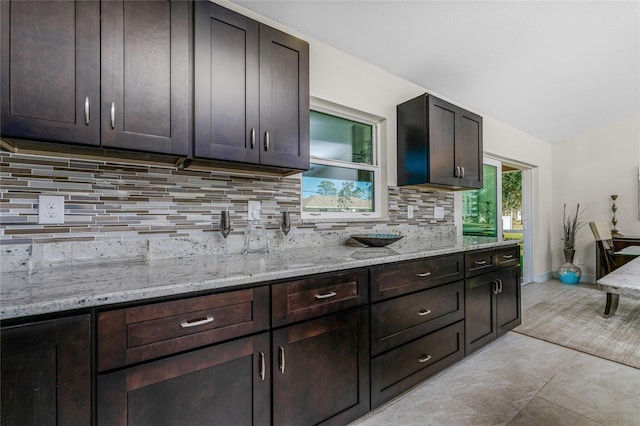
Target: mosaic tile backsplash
(116, 212)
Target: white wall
(587, 169)
(343, 79)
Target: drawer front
(398, 370)
(314, 296)
(401, 278)
(479, 262)
(131, 335)
(399, 320)
(507, 256)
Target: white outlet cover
(50, 209)
(438, 212)
(409, 212)
(253, 210)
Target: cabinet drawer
(398, 370)
(401, 278)
(507, 256)
(131, 335)
(479, 262)
(396, 321)
(314, 296)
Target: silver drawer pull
(253, 138)
(326, 295)
(281, 359)
(507, 256)
(424, 274)
(195, 323)
(113, 115)
(481, 262)
(424, 359)
(424, 312)
(87, 116)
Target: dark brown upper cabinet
(145, 76)
(252, 91)
(51, 71)
(439, 144)
(54, 55)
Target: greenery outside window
(344, 178)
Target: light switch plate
(409, 211)
(50, 209)
(253, 212)
(438, 212)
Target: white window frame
(375, 122)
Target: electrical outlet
(50, 209)
(253, 210)
(438, 212)
(409, 211)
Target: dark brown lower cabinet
(492, 306)
(46, 373)
(321, 370)
(225, 384)
(405, 366)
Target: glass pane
(479, 215)
(337, 189)
(336, 138)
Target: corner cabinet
(46, 372)
(252, 91)
(492, 295)
(111, 74)
(439, 144)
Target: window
(344, 178)
(480, 207)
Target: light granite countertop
(64, 289)
(625, 280)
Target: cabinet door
(321, 370)
(46, 373)
(226, 80)
(51, 70)
(469, 148)
(480, 311)
(226, 384)
(284, 100)
(145, 75)
(508, 309)
(442, 140)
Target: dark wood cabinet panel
(51, 71)
(508, 306)
(480, 311)
(320, 295)
(397, 321)
(252, 91)
(46, 373)
(284, 100)
(321, 370)
(145, 75)
(226, 384)
(405, 366)
(479, 262)
(439, 144)
(401, 278)
(227, 103)
(142, 333)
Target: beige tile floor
(519, 380)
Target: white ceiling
(552, 69)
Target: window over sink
(344, 178)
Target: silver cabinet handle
(499, 286)
(266, 141)
(481, 262)
(457, 171)
(424, 274)
(262, 366)
(462, 168)
(281, 359)
(424, 359)
(195, 323)
(424, 312)
(113, 115)
(253, 138)
(495, 286)
(326, 295)
(507, 256)
(87, 118)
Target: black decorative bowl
(376, 240)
